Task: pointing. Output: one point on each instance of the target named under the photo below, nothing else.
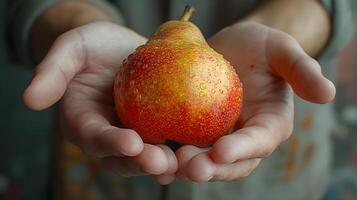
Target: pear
(177, 88)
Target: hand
(270, 64)
(80, 67)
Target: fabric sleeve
(21, 15)
(342, 14)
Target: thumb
(303, 73)
(64, 60)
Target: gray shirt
(297, 170)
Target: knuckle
(270, 144)
(246, 174)
(268, 148)
(66, 38)
(315, 63)
(202, 175)
(224, 149)
(199, 177)
(250, 169)
(268, 152)
(181, 151)
(286, 134)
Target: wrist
(84, 13)
(49, 25)
(298, 18)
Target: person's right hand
(80, 67)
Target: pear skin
(177, 88)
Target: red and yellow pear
(177, 88)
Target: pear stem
(187, 13)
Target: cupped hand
(80, 69)
(272, 66)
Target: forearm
(49, 25)
(305, 20)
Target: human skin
(270, 53)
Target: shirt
(299, 168)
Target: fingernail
(165, 179)
(209, 178)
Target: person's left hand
(269, 62)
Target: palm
(92, 60)
(267, 96)
(81, 67)
(268, 99)
(89, 93)
(267, 61)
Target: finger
(202, 169)
(165, 179)
(64, 60)
(259, 137)
(107, 140)
(235, 171)
(246, 143)
(184, 156)
(169, 175)
(152, 160)
(302, 72)
(171, 159)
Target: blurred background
(34, 162)
(18, 127)
(344, 137)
